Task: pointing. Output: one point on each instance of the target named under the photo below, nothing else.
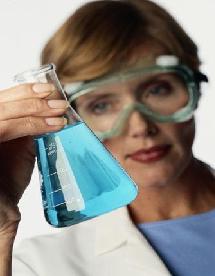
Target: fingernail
(58, 103)
(43, 87)
(57, 121)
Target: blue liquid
(80, 179)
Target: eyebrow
(105, 93)
(86, 98)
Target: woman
(144, 73)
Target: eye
(159, 88)
(100, 107)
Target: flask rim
(35, 71)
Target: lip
(151, 154)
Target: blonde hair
(101, 36)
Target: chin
(159, 174)
(147, 180)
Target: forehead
(145, 54)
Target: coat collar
(116, 230)
(111, 230)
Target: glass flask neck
(47, 74)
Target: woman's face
(156, 166)
(164, 149)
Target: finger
(30, 107)
(15, 128)
(26, 91)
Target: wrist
(8, 231)
(9, 220)
(6, 249)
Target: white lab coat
(109, 245)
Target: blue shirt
(186, 245)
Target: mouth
(151, 154)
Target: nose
(139, 125)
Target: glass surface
(80, 179)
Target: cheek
(181, 136)
(115, 147)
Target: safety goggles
(165, 91)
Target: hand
(25, 110)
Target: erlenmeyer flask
(80, 179)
